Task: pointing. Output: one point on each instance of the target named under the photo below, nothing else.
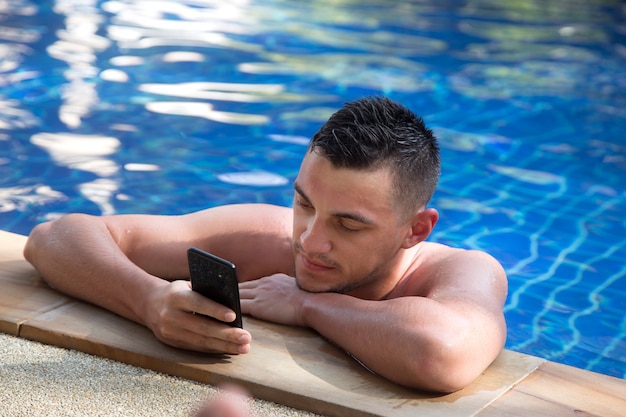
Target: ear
(421, 225)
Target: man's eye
(348, 228)
(301, 203)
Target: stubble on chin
(336, 287)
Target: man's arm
(119, 262)
(439, 342)
(414, 341)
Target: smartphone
(216, 279)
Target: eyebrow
(351, 216)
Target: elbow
(443, 376)
(47, 237)
(35, 250)
(446, 366)
(438, 376)
(34, 242)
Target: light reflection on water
(171, 106)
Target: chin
(309, 283)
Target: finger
(247, 285)
(246, 305)
(185, 299)
(219, 336)
(237, 390)
(232, 401)
(201, 333)
(189, 340)
(246, 293)
(196, 303)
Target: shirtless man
(418, 313)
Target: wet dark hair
(376, 132)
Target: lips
(314, 265)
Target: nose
(314, 238)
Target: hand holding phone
(216, 279)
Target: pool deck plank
(295, 366)
(561, 390)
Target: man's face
(347, 236)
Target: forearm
(419, 344)
(78, 256)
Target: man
(418, 313)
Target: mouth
(314, 265)
(315, 274)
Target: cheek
(356, 254)
(367, 252)
(298, 227)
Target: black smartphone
(215, 278)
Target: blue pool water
(168, 107)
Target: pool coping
(516, 384)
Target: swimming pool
(168, 107)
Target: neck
(406, 273)
(390, 280)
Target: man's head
(374, 133)
(359, 199)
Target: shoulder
(470, 260)
(445, 271)
(437, 257)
